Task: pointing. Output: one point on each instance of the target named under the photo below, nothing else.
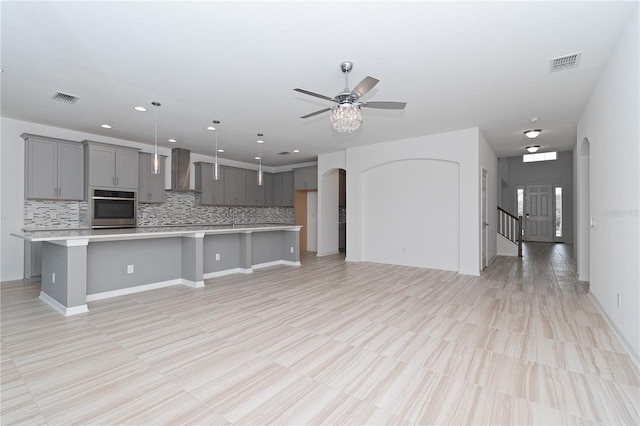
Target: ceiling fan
(346, 116)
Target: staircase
(510, 228)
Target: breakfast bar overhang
(80, 266)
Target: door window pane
(558, 212)
(520, 201)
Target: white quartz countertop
(146, 232)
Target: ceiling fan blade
(384, 105)
(316, 113)
(306, 92)
(364, 86)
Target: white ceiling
(456, 64)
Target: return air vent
(284, 153)
(565, 62)
(64, 97)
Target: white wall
(328, 186)
(610, 123)
(461, 147)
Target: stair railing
(510, 227)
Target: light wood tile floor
(326, 343)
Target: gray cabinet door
(268, 189)
(70, 166)
(41, 174)
(102, 165)
(278, 194)
(251, 187)
(54, 169)
(126, 170)
(234, 186)
(306, 178)
(287, 189)
(204, 182)
(150, 186)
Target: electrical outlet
(619, 300)
(291, 249)
(129, 269)
(593, 222)
(53, 277)
(217, 256)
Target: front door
(539, 213)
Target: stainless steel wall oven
(113, 209)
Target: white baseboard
(634, 356)
(226, 272)
(64, 310)
(275, 263)
(327, 253)
(193, 284)
(131, 290)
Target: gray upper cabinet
(283, 189)
(306, 178)
(267, 179)
(287, 189)
(234, 186)
(211, 191)
(54, 168)
(150, 186)
(111, 166)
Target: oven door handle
(113, 198)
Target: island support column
(192, 259)
(64, 276)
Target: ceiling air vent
(565, 62)
(284, 153)
(64, 97)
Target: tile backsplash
(179, 208)
(51, 214)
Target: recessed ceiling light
(532, 134)
(172, 140)
(221, 150)
(139, 108)
(210, 128)
(256, 158)
(296, 150)
(259, 141)
(105, 126)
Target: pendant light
(260, 142)
(216, 167)
(156, 159)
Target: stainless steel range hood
(180, 169)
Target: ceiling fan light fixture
(346, 117)
(533, 148)
(532, 134)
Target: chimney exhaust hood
(180, 169)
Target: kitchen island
(80, 266)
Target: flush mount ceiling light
(532, 134)
(156, 161)
(533, 148)
(105, 126)
(216, 167)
